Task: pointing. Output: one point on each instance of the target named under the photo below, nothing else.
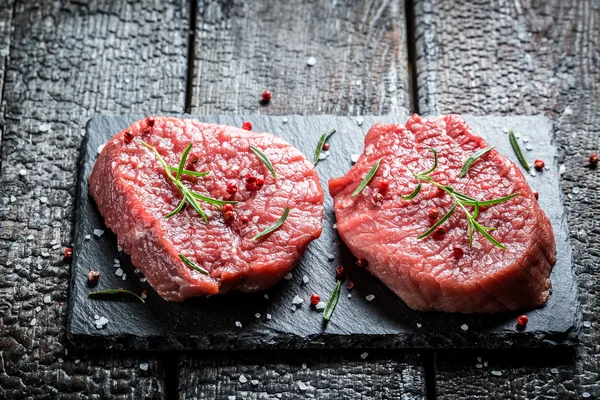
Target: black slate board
(384, 322)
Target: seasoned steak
(134, 193)
(441, 271)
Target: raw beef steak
(134, 193)
(441, 271)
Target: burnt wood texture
(503, 57)
(68, 61)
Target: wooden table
(62, 62)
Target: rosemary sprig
(367, 179)
(460, 200)
(265, 160)
(117, 291)
(332, 302)
(322, 141)
(273, 227)
(192, 265)
(517, 149)
(191, 173)
(474, 157)
(188, 196)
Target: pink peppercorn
(266, 96)
(433, 213)
(247, 126)
(362, 263)
(315, 299)
(539, 164)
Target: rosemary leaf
(332, 302)
(192, 265)
(117, 291)
(517, 149)
(482, 229)
(273, 227)
(322, 141)
(435, 162)
(160, 160)
(191, 173)
(414, 192)
(182, 161)
(366, 179)
(175, 211)
(471, 201)
(264, 159)
(210, 200)
(192, 201)
(441, 221)
(474, 157)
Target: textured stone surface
(525, 57)
(383, 322)
(68, 61)
(357, 374)
(245, 47)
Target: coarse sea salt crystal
(464, 327)
(98, 232)
(360, 121)
(305, 279)
(587, 324)
(60, 360)
(116, 261)
(269, 316)
(330, 257)
(370, 297)
(77, 361)
(354, 158)
(144, 366)
(297, 300)
(311, 61)
(238, 324)
(88, 237)
(364, 355)
(323, 155)
(479, 366)
(266, 296)
(496, 373)
(231, 397)
(304, 366)
(30, 237)
(529, 147)
(320, 305)
(44, 127)
(288, 276)
(13, 199)
(254, 382)
(243, 379)
(554, 370)
(293, 308)
(100, 148)
(302, 386)
(33, 322)
(119, 272)
(285, 120)
(22, 172)
(257, 315)
(419, 325)
(124, 276)
(38, 308)
(143, 279)
(43, 199)
(47, 299)
(137, 271)
(349, 295)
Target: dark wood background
(61, 62)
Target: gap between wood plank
(5, 66)
(190, 56)
(411, 49)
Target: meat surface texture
(441, 272)
(134, 194)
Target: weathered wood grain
(293, 375)
(67, 61)
(243, 48)
(6, 11)
(530, 57)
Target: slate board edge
(128, 342)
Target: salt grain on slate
(360, 121)
(330, 257)
(285, 120)
(96, 316)
(496, 373)
(320, 305)
(143, 279)
(349, 295)
(297, 300)
(419, 325)
(44, 127)
(119, 272)
(257, 315)
(22, 172)
(77, 361)
(266, 296)
(311, 61)
(464, 327)
(137, 271)
(98, 232)
(124, 276)
(302, 386)
(554, 370)
(47, 299)
(293, 308)
(238, 324)
(38, 309)
(479, 366)
(268, 316)
(505, 130)
(88, 237)
(43, 199)
(587, 324)
(354, 158)
(243, 379)
(100, 148)
(288, 276)
(364, 355)
(33, 322)
(323, 155)
(370, 297)
(13, 199)
(586, 395)
(60, 360)
(144, 366)
(304, 366)
(230, 397)
(529, 147)
(254, 382)
(305, 279)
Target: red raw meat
(441, 272)
(134, 194)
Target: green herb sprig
(366, 179)
(517, 149)
(188, 196)
(264, 159)
(460, 200)
(273, 227)
(192, 265)
(332, 302)
(117, 291)
(322, 141)
(474, 157)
